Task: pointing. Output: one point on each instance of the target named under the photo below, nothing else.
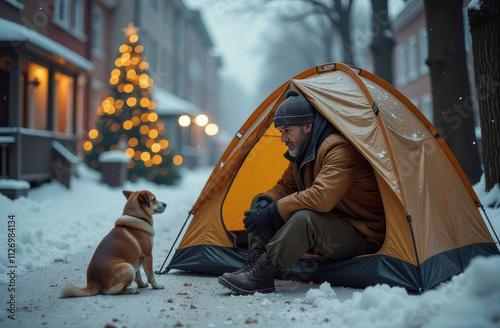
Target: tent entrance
(259, 172)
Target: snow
(382, 154)
(11, 184)
(475, 4)
(7, 139)
(114, 156)
(57, 230)
(16, 33)
(68, 155)
(169, 104)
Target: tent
(434, 227)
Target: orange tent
(434, 226)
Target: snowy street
(58, 229)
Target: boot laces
(258, 268)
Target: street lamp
(211, 129)
(184, 120)
(201, 120)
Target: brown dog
(118, 258)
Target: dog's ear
(127, 193)
(144, 198)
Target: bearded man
(327, 202)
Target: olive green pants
(325, 233)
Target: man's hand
(257, 219)
(261, 202)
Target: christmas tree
(128, 121)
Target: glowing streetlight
(184, 120)
(211, 129)
(201, 120)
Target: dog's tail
(73, 291)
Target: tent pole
(173, 245)
(494, 232)
(420, 290)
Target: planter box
(14, 189)
(114, 168)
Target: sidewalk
(188, 300)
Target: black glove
(261, 202)
(257, 219)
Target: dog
(118, 259)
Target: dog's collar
(135, 222)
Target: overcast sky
(235, 36)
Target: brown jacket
(339, 180)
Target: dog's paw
(157, 286)
(142, 284)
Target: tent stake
(494, 232)
(173, 245)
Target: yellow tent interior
(434, 227)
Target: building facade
(179, 51)
(55, 62)
(411, 73)
(44, 69)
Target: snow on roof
(7, 139)
(19, 33)
(169, 104)
(114, 156)
(11, 184)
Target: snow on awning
(15, 33)
(169, 104)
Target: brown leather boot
(253, 256)
(259, 278)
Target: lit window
(64, 103)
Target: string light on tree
(127, 120)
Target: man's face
(294, 137)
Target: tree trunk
(452, 101)
(341, 17)
(383, 40)
(485, 29)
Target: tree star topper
(131, 29)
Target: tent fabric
(433, 225)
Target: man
(327, 200)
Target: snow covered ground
(58, 229)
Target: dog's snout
(163, 204)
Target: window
(78, 12)
(414, 101)
(165, 13)
(412, 59)
(34, 96)
(401, 65)
(180, 33)
(63, 103)
(98, 29)
(426, 106)
(61, 12)
(150, 51)
(423, 44)
(69, 15)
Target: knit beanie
(294, 110)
